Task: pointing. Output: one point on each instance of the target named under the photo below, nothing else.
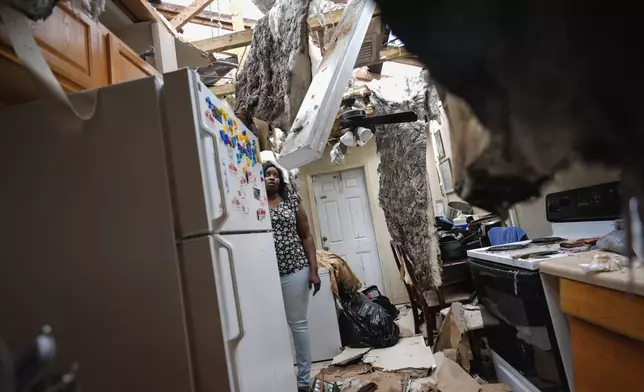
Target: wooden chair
(425, 305)
(419, 308)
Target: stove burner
(501, 248)
(548, 240)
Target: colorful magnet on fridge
(261, 214)
(236, 204)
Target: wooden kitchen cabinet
(125, 64)
(81, 52)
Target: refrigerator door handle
(231, 261)
(221, 184)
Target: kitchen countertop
(568, 267)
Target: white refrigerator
(144, 240)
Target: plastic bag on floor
(369, 324)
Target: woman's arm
(304, 231)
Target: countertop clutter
(569, 268)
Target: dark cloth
(291, 257)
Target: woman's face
(272, 178)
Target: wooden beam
(141, 10)
(204, 18)
(238, 25)
(223, 89)
(399, 55)
(331, 18)
(189, 12)
(226, 42)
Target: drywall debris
(349, 355)
(452, 378)
(406, 324)
(277, 73)
(408, 354)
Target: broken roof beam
(399, 55)
(226, 42)
(223, 89)
(310, 130)
(204, 18)
(189, 12)
(331, 19)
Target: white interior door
(345, 223)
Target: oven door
(517, 322)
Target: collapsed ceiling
(277, 72)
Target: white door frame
(317, 237)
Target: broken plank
(399, 55)
(223, 89)
(331, 18)
(310, 131)
(222, 43)
(189, 12)
(204, 18)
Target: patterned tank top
(291, 257)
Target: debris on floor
(409, 355)
(410, 365)
(405, 323)
(452, 377)
(349, 355)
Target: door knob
(324, 239)
(326, 248)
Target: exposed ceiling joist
(204, 18)
(189, 12)
(223, 89)
(399, 55)
(222, 43)
(331, 18)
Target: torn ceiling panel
(404, 189)
(312, 126)
(277, 71)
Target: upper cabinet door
(125, 64)
(73, 45)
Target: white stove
(514, 257)
(518, 257)
(517, 304)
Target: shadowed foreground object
(533, 85)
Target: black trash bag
(389, 307)
(370, 325)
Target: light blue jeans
(295, 290)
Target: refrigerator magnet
(261, 214)
(233, 169)
(257, 193)
(242, 193)
(236, 204)
(245, 210)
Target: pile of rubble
(410, 365)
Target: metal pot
(454, 208)
(451, 248)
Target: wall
(438, 197)
(368, 158)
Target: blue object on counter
(505, 235)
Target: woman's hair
(282, 189)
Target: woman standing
(297, 264)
